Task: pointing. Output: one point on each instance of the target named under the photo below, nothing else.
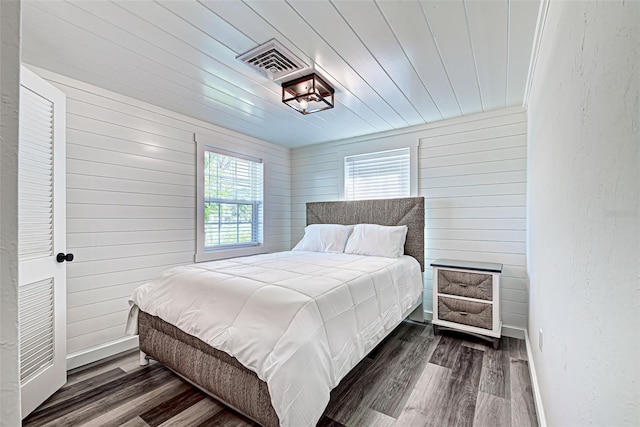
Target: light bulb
(303, 104)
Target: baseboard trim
(99, 352)
(513, 332)
(507, 331)
(537, 396)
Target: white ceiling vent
(273, 60)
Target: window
(232, 201)
(380, 175)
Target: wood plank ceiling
(393, 63)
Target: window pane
(228, 234)
(244, 233)
(228, 213)
(245, 213)
(212, 236)
(211, 212)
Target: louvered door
(41, 236)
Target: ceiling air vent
(273, 60)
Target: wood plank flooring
(412, 378)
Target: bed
(317, 349)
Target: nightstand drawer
(470, 313)
(464, 284)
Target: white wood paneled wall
(472, 172)
(131, 201)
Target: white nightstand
(466, 297)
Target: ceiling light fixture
(308, 94)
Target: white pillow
(324, 238)
(377, 240)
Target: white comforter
(299, 320)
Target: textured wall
(9, 89)
(584, 214)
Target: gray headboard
(407, 211)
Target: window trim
(201, 254)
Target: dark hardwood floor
(413, 378)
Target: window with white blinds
(380, 175)
(232, 201)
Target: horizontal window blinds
(232, 200)
(380, 175)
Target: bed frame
(221, 375)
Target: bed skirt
(212, 370)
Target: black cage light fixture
(308, 94)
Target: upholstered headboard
(407, 211)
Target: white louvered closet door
(41, 236)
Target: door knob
(64, 257)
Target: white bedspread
(299, 320)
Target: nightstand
(466, 297)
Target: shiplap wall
(472, 173)
(131, 201)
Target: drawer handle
(464, 313)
